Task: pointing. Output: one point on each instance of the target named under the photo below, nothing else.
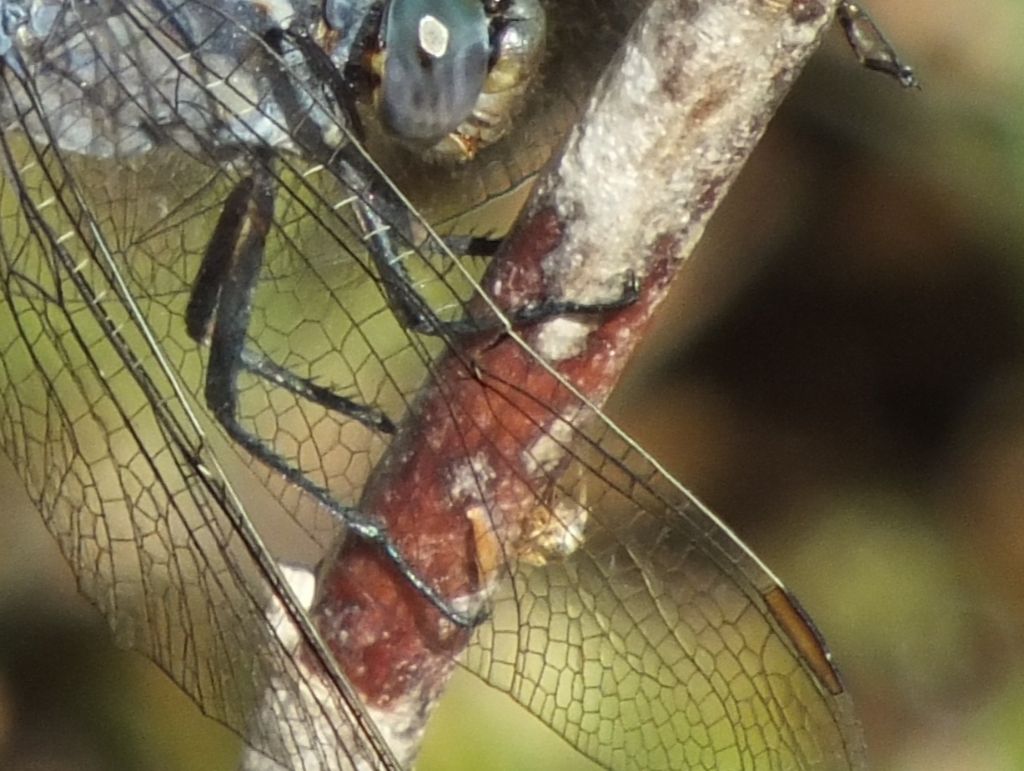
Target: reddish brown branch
(666, 134)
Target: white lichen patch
(549, 449)
(470, 479)
(665, 142)
(562, 338)
(302, 582)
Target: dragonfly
(251, 316)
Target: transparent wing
(654, 641)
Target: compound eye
(435, 62)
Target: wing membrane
(653, 643)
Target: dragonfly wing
(658, 641)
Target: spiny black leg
(548, 309)
(344, 88)
(206, 307)
(231, 355)
(415, 314)
(243, 231)
(545, 310)
(405, 302)
(380, 217)
(871, 46)
(206, 287)
(236, 270)
(258, 364)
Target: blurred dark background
(839, 373)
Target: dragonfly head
(450, 74)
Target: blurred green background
(839, 373)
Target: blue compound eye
(436, 55)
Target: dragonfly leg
(414, 313)
(546, 310)
(870, 45)
(405, 301)
(225, 271)
(223, 296)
